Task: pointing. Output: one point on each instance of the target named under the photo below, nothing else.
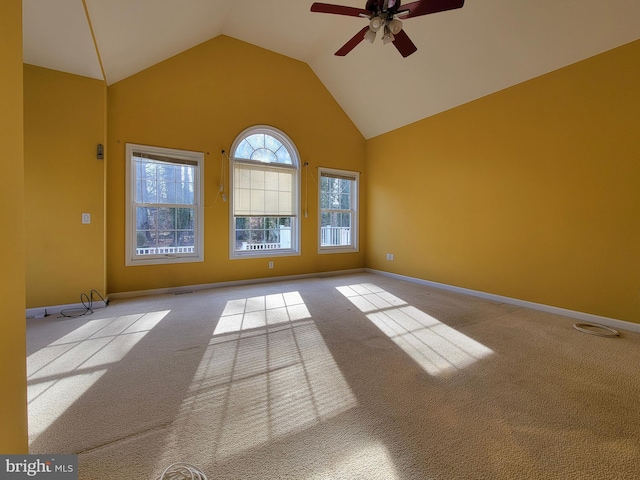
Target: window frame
(284, 139)
(131, 258)
(354, 245)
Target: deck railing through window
(164, 250)
(335, 236)
(259, 246)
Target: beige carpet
(345, 377)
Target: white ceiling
(462, 55)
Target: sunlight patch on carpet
(371, 460)
(60, 373)
(258, 312)
(266, 374)
(436, 347)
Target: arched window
(265, 194)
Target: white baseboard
(582, 316)
(207, 286)
(42, 312)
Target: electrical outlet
(86, 218)
(389, 256)
(270, 264)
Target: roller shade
(164, 159)
(263, 191)
(340, 176)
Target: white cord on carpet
(182, 471)
(596, 329)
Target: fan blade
(351, 44)
(426, 7)
(404, 44)
(339, 10)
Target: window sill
(264, 254)
(325, 250)
(168, 260)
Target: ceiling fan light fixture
(370, 36)
(395, 26)
(376, 23)
(383, 15)
(388, 36)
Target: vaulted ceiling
(463, 54)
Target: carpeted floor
(359, 376)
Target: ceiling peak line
(93, 37)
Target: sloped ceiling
(463, 54)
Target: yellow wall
(64, 121)
(13, 400)
(201, 100)
(531, 193)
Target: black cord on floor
(87, 303)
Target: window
(264, 202)
(164, 206)
(338, 210)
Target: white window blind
(341, 176)
(164, 159)
(263, 191)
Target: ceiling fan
(384, 15)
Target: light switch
(86, 218)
